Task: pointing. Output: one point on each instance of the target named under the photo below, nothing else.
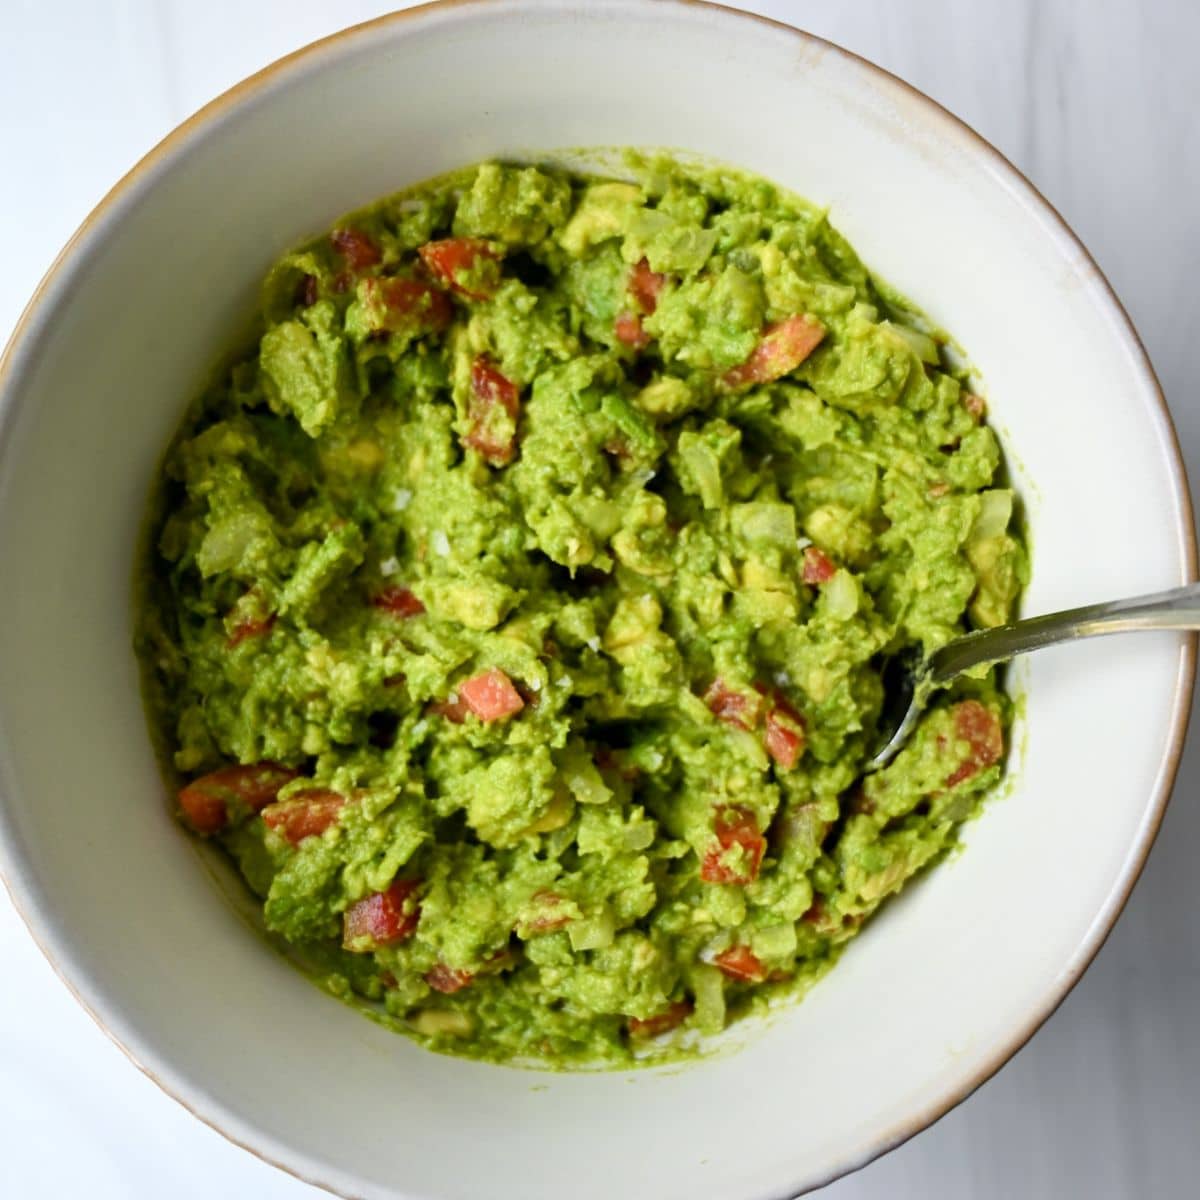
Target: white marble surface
(1094, 100)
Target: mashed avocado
(515, 610)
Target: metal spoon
(910, 682)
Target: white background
(1095, 100)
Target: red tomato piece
(304, 814)
(734, 826)
(447, 979)
(490, 387)
(671, 1016)
(980, 728)
(646, 286)
(205, 801)
(357, 248)
(742, 964)
(452, 261)
(784, 743)
(782, 348)
(495, 404)
(784, 734)
(817, 567)
(734, 708)
(205, 811)
(406, 306)
(491, 695)
(382, 918)
(251, 627)
(398, 601)
(629, 331)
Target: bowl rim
(73, 258)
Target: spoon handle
(1178, 608)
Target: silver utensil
(910, 681)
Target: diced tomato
(734, 826)
(741, 963)
(671, 1017)
(491, 695)
(490, 433)
(405, 306)
(205, 811)
(447, 979)
(980, 728)
(382, 918)
(629, 331)
(304, 814)
(782, 348)
(251, 627)
(491, 387)
(741, 709)
(784, 744)
(205, 801)
(452, 261)
(727, 705)
(398, 601)
(783, 734)
(817, 567)
(359, 250)
(645, 286)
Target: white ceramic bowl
(947, 983)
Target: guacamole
(514, 609)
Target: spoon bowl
(910, 681)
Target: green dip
(515, 608)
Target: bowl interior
(946, 982)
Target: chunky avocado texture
(514, 609)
